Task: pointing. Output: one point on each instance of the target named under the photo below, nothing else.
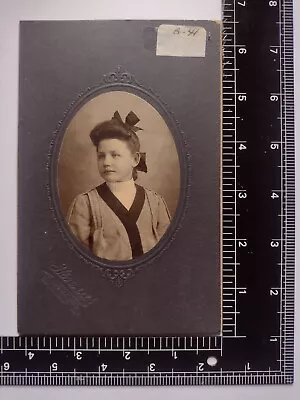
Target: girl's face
(116, 160)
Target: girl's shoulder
(88, 192)
(85, 195)
(153, 195)
(84, 203)
(151, 192)
(86, 198)
(157, 202)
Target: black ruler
(256, 346)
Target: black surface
(260, 174)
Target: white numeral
(274, 97)
(274, 292)
(274, 146)
(201, 367)
(79, 355)
(54, 366)
(127, 355)
(274, 244)
(6, 366)
(274, 196)
(152, 367)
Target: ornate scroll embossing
(118, 276)
(119, 76)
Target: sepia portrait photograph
(118, 176)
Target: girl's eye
(116, 155)
(100, 155)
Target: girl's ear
(137, 158)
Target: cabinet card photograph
(119, 178)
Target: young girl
(119, 220)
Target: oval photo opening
(118, 176)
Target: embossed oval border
(120, 80)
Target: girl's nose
(107, 160)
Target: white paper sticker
(181, 41)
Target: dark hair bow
(130, 121)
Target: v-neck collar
(127, 217)
(116, 205)
(133, 187)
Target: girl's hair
(112, 129)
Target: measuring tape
(256, 346)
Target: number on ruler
(103, 367)
(242, 195)
(274, 97)
(243, 4)
(242, 50)
(274, 195)
(6, 366)
(242, 147)
(30, 355)
(242, 243)
(201, 367)
(272, 3)
(275, 51)
(242, 97)
(79, 355)
(152, 367)
(175, 355)
(244, 291)
(274, 243)
(127, 355)
(274, 146)
(274, 292)
(54, 366)
(273, 339)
